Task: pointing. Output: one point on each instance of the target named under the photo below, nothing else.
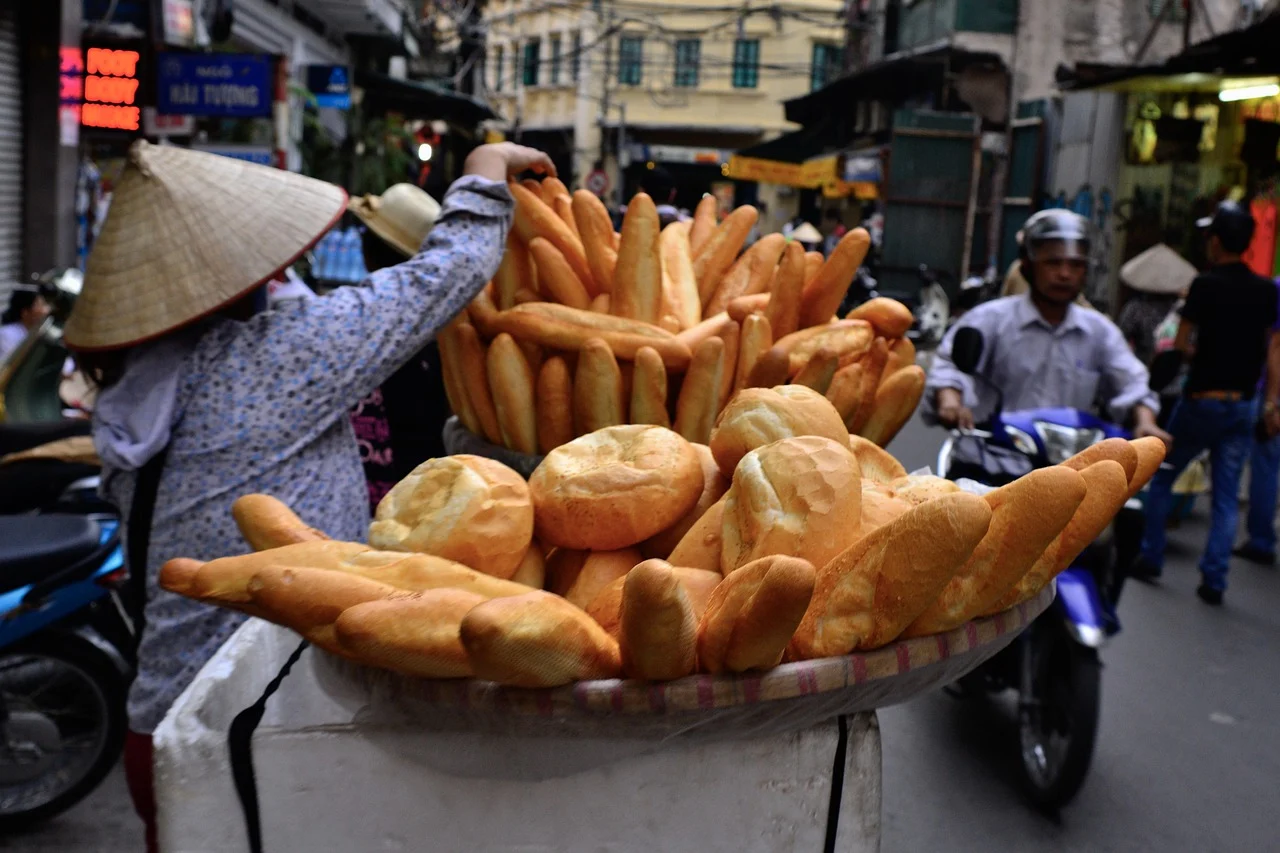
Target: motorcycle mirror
(1164, 369)
(966, 349)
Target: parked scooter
(932, 311)
(1054, 664)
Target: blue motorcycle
(1054, 665)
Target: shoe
(1143, 570)
(1209, 595)
(1255, 555)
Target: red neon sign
(110, 89)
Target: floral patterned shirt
(263, 406)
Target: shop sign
(764, 171)
(233, 85)
(259, 154)
(71, 94)
(819, 171)
(158, 124)
(330, 85)
(681, 154)
(179, 23)
(111, 89)
(863, 167)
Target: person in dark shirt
(1225, 332)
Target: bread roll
(534, 218)
(879, 508)
(788, 287)
(564, 328)
(679, 283)
(265, 523)
(714, 486)
(649, 390)
(759, 416)
(1026, 516)
(699, 399)
(554, 406)
(537, 640)
(309, 601)
(703, 545)
(711, 263)
(823, 295)
(417, 636)
(751, 273)
(890, 317)
(797, 496)
(511, 381)
(659, 633)
(597, 389)
(637, 280)
(596, 230)
(705, 218)
(1151, 452)
(606, 609)
(465, 508)
(532, 571)
(866, 596)
(580, 576)
(615, 487)
(754, 340)
(916, 489)
(473, 360)
(896, 402)
(876, 462)
(819, 370)
(753, 614)
(556, 279)
(1115, 449)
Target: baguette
(649, 389)
(889, 317)
(422, 572)
(699, 400)
(580, 576)
(637, 280)
(745, 306)
(712, 327)
(511, 380)
(823, 295)
(554, 405)
(754, 341)
(895, 403)
(679, 284)
(902, 353)
(701, 547)
(516, 272)
(845, 390)
(1115, 449)
(784, 306)
(455, 387)
(710, 265)
(565, 328)
(551, 188)
(1026, 517)
(813, 262)
(659, 633)
(751, 274)
(484, 314)
(537, 640)
(309, 601)
(535, 219)
(873, 376)
(851, 338)
(472, 360)
(556, 280)
(698, 585)
(819, 370)
(524, 295)
(596, 230)
(731, 336)
(1151, 452)
(532, 571)
(600, 304)
(705, 218)
(563, 206)
(867, 596)
(418, 636)
(771, 369)
(597, 389)
(753, 614)
(267, 523)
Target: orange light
(113, 118)
(110, 90)
(71, 89)
(70, 60)
(113, 63)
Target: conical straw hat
(1159, 270)
(806, 233)
(401, 217)
(189, 233)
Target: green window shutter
(688, 58)
(630, 60)
(746, 63)
(532, 49)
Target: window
(826, 64)
(746, 63)
(532, 49)
(1171, 10)
(497, 68)
(555, 60)
(630, 59)
(575, 61)
(688, 53)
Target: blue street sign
(214, 84)
(330, 85)
(259, 154)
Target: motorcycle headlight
(1061, 443)
(1023, 442)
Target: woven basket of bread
(584, 328)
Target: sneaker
(1144, 570)
(1255, 555)
(1209, 595)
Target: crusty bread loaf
(679, 283)
(511, 380)
(872, 378)
(705, 218)
(465, 508)
(710, 327)
(537, 640)
(637, 280)
(597, 389)
(896, 402)
(890, 317)
(698, 585)
(867, 596)
(513, 273)
(902, 353)
(915, 489)
(309, 601)
(1151, 452)
(532, 571)
(265, 523)
(178, 575)
(483, 314)
(714, 486)
(879, 508)
(615, 487)
(472, 364)
(564, 328)
(417, 636)
(798, 496)
(714, 258)
(563, 206)
(850, 338)
(823, 295)
(226, 580)
(554, 404)
(455, 387)
(876, 462)
(771, 369)
(753, 614)
(819, 370)
(1116, 449)
(659, 632)
(556, 279)
(751, 273)
(422, 572)
(579, 576)
(747, 306)
(649, 390)
(813, 262)
(759, 416)
(788, 287)
(699, 399)
(1026, 516)
(596, 230)
(731, 336)
(701, 547)
(845, 390)
(754, 340)
(551, 188)
(535, 218)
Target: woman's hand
(502, 160)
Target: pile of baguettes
(633, 552)
(583, 328)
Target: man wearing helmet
(1226, 334)
(1043, 349)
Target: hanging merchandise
(1261, 254)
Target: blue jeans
(1225, 429)
(1264, 484)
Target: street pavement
(1188, 752)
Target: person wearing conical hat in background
(808, 236)
(221, 398)
(401, 424)
(1156, 279)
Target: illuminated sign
(111, 89)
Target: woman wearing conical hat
(222, 398)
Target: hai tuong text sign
(238, 85)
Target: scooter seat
(33, 547)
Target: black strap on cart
(837, 786)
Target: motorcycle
(933, 309)
(1054, 664)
